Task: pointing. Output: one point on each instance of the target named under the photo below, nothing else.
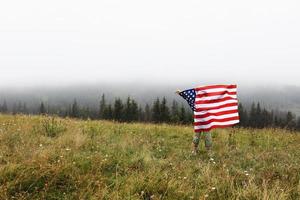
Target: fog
(65, 43)
(281, 98)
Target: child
(207, 141)
(196, 139)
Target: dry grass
(42, 158)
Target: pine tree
(127, 111)
(243, 115)
(102, 107)
(156, 115)
(264, 118)
(164, 111)
(3, 107)
(298, 124)
(276, 121)
(42, 109)
(134, 112)
(182, 115)
(290, 121)
(147, 113)
(85, 112)
(108, 114)
(252, 118)
(69, 111)
(118, 110)
(75, 109)
(258, 115)
(141, 114)
(189, 117)
(174, 112)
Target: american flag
(214, 106)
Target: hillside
(53, 158)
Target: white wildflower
(247, 174)
(67, 149)
(41, 145)
(206, 195)
(213, 188)
(185, 178)
(211, 159)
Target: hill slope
(45, 158)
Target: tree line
(159, 111)
(258, 117)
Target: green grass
(53, 158)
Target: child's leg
(208, 140)
(196, 141)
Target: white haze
(63, 42)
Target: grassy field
(53, 158)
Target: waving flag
(214, 106)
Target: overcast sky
(66, 42)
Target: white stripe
(211, 105)
(217, 123)
(215, 90)
(216, 110)
(215, 97)
(216, 117)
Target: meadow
(53, 158)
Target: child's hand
(178, 91)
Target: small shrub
(52, 127)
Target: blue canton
(189, 96)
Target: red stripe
(216, 107)
(216, 114)
(215, 94)
(216, 86)
(212, 127)
(216, 120)
(215, 100)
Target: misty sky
(66, 42)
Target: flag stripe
(207, 114)
(216, 123)
(215, 97)
(216, 86)
(218, 100)
(215, 94)
(214, 90)
(215, 105)
(214, 126)
(200, 123)
(212, 111)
